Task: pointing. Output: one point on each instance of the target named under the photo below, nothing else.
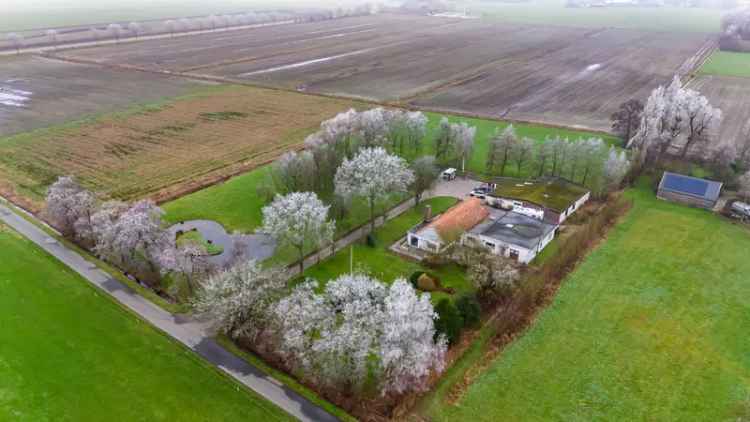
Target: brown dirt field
(48, 92)
(580, 84)
(732, 96)
(163, 150)
(557, 75)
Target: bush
(468, 307)
(371, 241)
(449, 322)
(414, 278)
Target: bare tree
(16, 40)
(522, 152)
(52, 37)
(426, 174)
(170, 26)
(115, 29)
(504, 143)
(627, 119)
(135, 28)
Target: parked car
(478, 193)
(741, 210)
(449, 174)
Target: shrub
(414, 278)
(371, 241)
(449, 322)
(468, 307)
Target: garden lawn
(237, 206)
(68, 352)
(652, 326)
(727, 63)
(386, 266)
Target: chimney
(427, 213)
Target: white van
(448, 174)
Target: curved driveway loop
(253, 246)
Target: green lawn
(553, 12)
(195, 237)
(67, 352)
(379, 262)
(236, 204)
(727, 63)
(652, 326)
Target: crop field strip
(171, 147)
(551, 74)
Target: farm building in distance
(550, 199)
(689, 190)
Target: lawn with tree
(70, 353)
(656, 312)
(378, 261)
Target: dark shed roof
(692, 186)
(513, 228)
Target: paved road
(193, 334)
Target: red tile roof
(463, 216)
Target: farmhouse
(512, 235)
(434, 236)
(505, 233)
(689, 190)
(550, 199)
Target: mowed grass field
(67, 352)
(727, 63)
(236, 204)
(652, 326)
(163, 149)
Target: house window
(489, 245)
(414, 241)
(514, 254)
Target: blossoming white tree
(373, 174)
(615, 168)
(300, 220)
(135, 238)
(240, 300)
(346, 348)
(407, 349)
(670, 115)
(70, 207)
